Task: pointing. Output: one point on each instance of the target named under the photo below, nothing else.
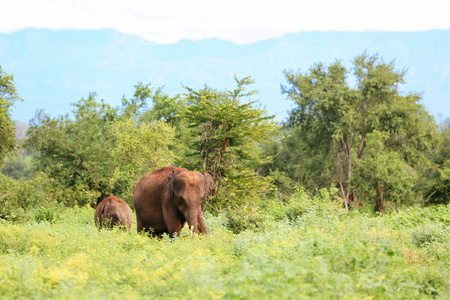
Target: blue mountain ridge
(55, 68)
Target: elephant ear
(209, 184)
(103, 214)
(171, 179)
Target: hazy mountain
(55, 68)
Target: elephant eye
(181, 202)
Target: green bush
(274, 208)
(46, 214)
(301, 202)
(243, 218)
(19, 198)
(428, 234)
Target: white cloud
(240, 21)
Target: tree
(101, 148)
(226, 134)
(165, 108)
(333, 122)
(383, 176)
(8, 96)
(439, 191)
(171, 111)
(139, 149)
(136, 105)
(18, 166)
(74, 149)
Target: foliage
(171, 111)
(18, 166)
(331, 123)
(139, 149)
(383, 175)
(19, 199)
(301, 202)
(242, 218)
(439, 191)
(165, 108)
(100, 148)
(46, 214)
(8, 96)
(255, 215)
(352, 146)
(134, 107)
(402, 255)
(226, 136)
(74, 151)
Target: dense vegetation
(321, 253)
(349, 197)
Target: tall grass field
(322, 253)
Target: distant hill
(55, 68)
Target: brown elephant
(168, 197)
(113, 211)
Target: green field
(319, 254)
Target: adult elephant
(168, 197)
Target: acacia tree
(8, 96)
(333, 121)
(226, 134)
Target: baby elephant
(113, 211)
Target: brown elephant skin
(113, 211)
(168, 197)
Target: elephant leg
(201, 223)
(174, 228)
(139, 224)
(172, 221)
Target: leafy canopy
(8, 96)
(100, 148)
(226, 136)
(332, 122)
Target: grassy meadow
(322, 252)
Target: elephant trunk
(192, 219)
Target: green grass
(318, 255)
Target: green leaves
(333, 122)
(101, 148)
(8, 95)
(383, 176)
(139, 149)
(226, 134)
(74, 150)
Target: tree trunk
(217, 167)
(380, 199)
(341, 181)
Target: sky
(239, 21)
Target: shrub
(357, 257)
(427, 234)
(301, 202)
(18, 198)
(47, 214)
(243, 218)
